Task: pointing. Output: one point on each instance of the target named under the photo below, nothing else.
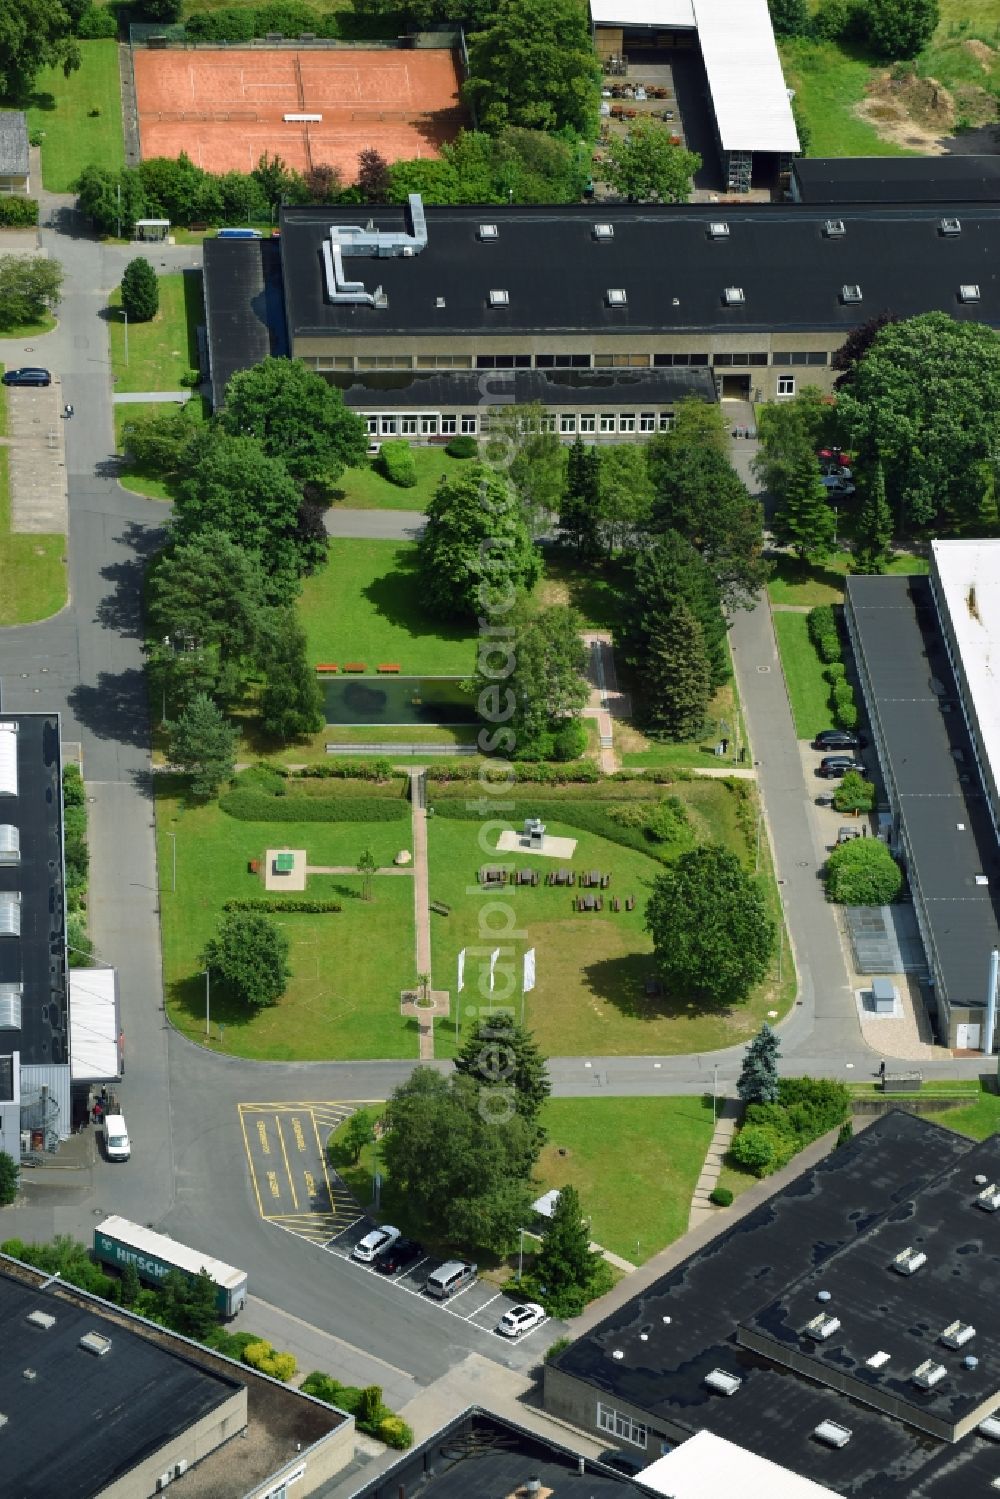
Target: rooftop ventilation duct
(957, 1334)
(44, 1320)
(718, 230)
(850, 293)
(822, 1327)
(352, 239)
(733, 296)
(928, 1374)
(10, 913)
(489, 231)
(908, 1261)
(8, 759)
(722, 1382)
(95, 1342)
(989, 1198)
(10, 843)
(832, 1434)
(950, 227)
(968, 292)
(834, 229)
(878, 1359)
(604, 231)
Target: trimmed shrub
(394, 1432)
(813, 1104)
(18, 213)
(576, 772)
(263, 1357)
(854, 794)
(863, 873)
(395, 460)
(754, 1149)
(721, 1196)
(252, 806)
(570, 741)
(823, 632)
(835, 672)
(293, 903)
(96, 23)
(462, 446)
(359, 770)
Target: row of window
(622, 1426)
(567, 423)
(564, 361)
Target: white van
(117, 1146)
(453, 1276)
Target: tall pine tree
(758, 1080)
(803, 518)
(874, 525)
(578, 514)
(677, 684)
(291, 704)
(566, 1264)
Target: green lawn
(828, 84)
(807, 584)
(634, 1162)
(132, 475)
(591, 588)
(366, 605)
(808, 691)
(347, 968)
(32, 566)
(81, 116)
(637, 750)
(161, 351)
(366, 488)
(42, 325)
(592, 967)
(979, 1120)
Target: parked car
(375, 1243)
(839, 739)
(834, 484)
(117, 1146)
(404, 1252)
(520, 1319)
(835, 766)
(846, 834)
(27, 375)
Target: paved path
(375, 525)
(421, 903)
(154, 397)
(353, 869)
(722, 1137)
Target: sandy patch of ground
(982, 52)
(910, 111)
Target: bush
(263, 1357)
(361, 770)
(835, 672)
(96, 23)
(863, 873)
(251, 806)
(721, 1196)
(397, 464)
(140, 291)
(754, 1149)
(570, 741)
(296, 904)
(823, 632)
(18, 213)
(854, 794)
(462, 446)
(845, 1134)
(835, 20)
(394, 1432)
(552, 1351)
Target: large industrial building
(928, 654)
(855, 1343)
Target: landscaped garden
(596, 991)
(32, 564)
(79, 117)
(162, 352)
(367, 488)
(347, 967)
(808, 691)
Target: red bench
(387, 666)
(327, 666)
(354, 666)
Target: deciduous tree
(202, 744)
(476, 547)
(156, 440)
(534, 65)
(140, 291)
(863, 873)
(625, 496)
(231, 485)
(899, 28)
(297, 418)
(712, 936)
(534, 458)
(647, 166)
(250, 954)
(291, 703)
(533, 682)
(34, 34)
(30, 286)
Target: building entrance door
(967, 1037)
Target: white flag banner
(494, 955)
(461, 970)
(529, 971)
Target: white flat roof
(708, 1467)
(749, 96)
(962, 566)
(93, 1024)
(659, 13)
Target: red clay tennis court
(225, 109)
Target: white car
(521, 1319)
(836, 484)
(373, 1244)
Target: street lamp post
(173, 861)
(715, 1094)
(520, 1253)
(208, 994)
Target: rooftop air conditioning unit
(928, 1374)
(41, 1319)
(616, 296)
(718, 230)
(832, 1434)
(989, 1198)
(722, 1382)
(180, 1467)
(878, 1359)
(408, 251)
(909, 1260)
(489, 231)
(990, 1428)
(604, 231)
(822, 1327)
(850, 293)
(439, 302)
(499, 297)
(950, 226)
(95, 1342)
(957, 1334)
(733, 296)
(834, 229)
(968, 292)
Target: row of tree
(889, 29)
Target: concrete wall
(16, 186)
(203, 1437)
(314, 1467)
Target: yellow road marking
(284, 1152)
(253, 1174)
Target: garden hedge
(396, 462)
(18, 213)
(462, 446)
(296, 904)
(252, 806)
(346, 770)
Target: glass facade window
(620, 1425)
(626, 421)
(607, 421)
(621, 361)
(567, 422)
(647, 421)
(786, 385)
(408, 425)
(371, 425)
(503, 361)
(801, 356)
(387, 426)
(429, 426)
(562, 361)
(587, 423)
(737, 361)
(470, 425)
(665, 361)
(666, 421)
(449, 426)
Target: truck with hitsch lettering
(118, 1243)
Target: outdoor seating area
(587, 879)
(564, 878)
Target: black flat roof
(951, 845)
(904, 1182)
(435, 390)
(481, 1455)
(37, 958)
(898, 179)
(244, 311)
(84, 1421)
(674, 274)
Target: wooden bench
(387, 666)
(440, 907)
(355, 666)
(197, 228)
(327, 666)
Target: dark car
(835, 766)
(404, 1252)
(839, 739)
(28, 375)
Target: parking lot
(480, 1305)
(294, 1183)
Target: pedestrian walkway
(353, 869)
(156, 397)
(422, 920)
(605, 702)
(725, 1127)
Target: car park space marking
(292, 1180)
